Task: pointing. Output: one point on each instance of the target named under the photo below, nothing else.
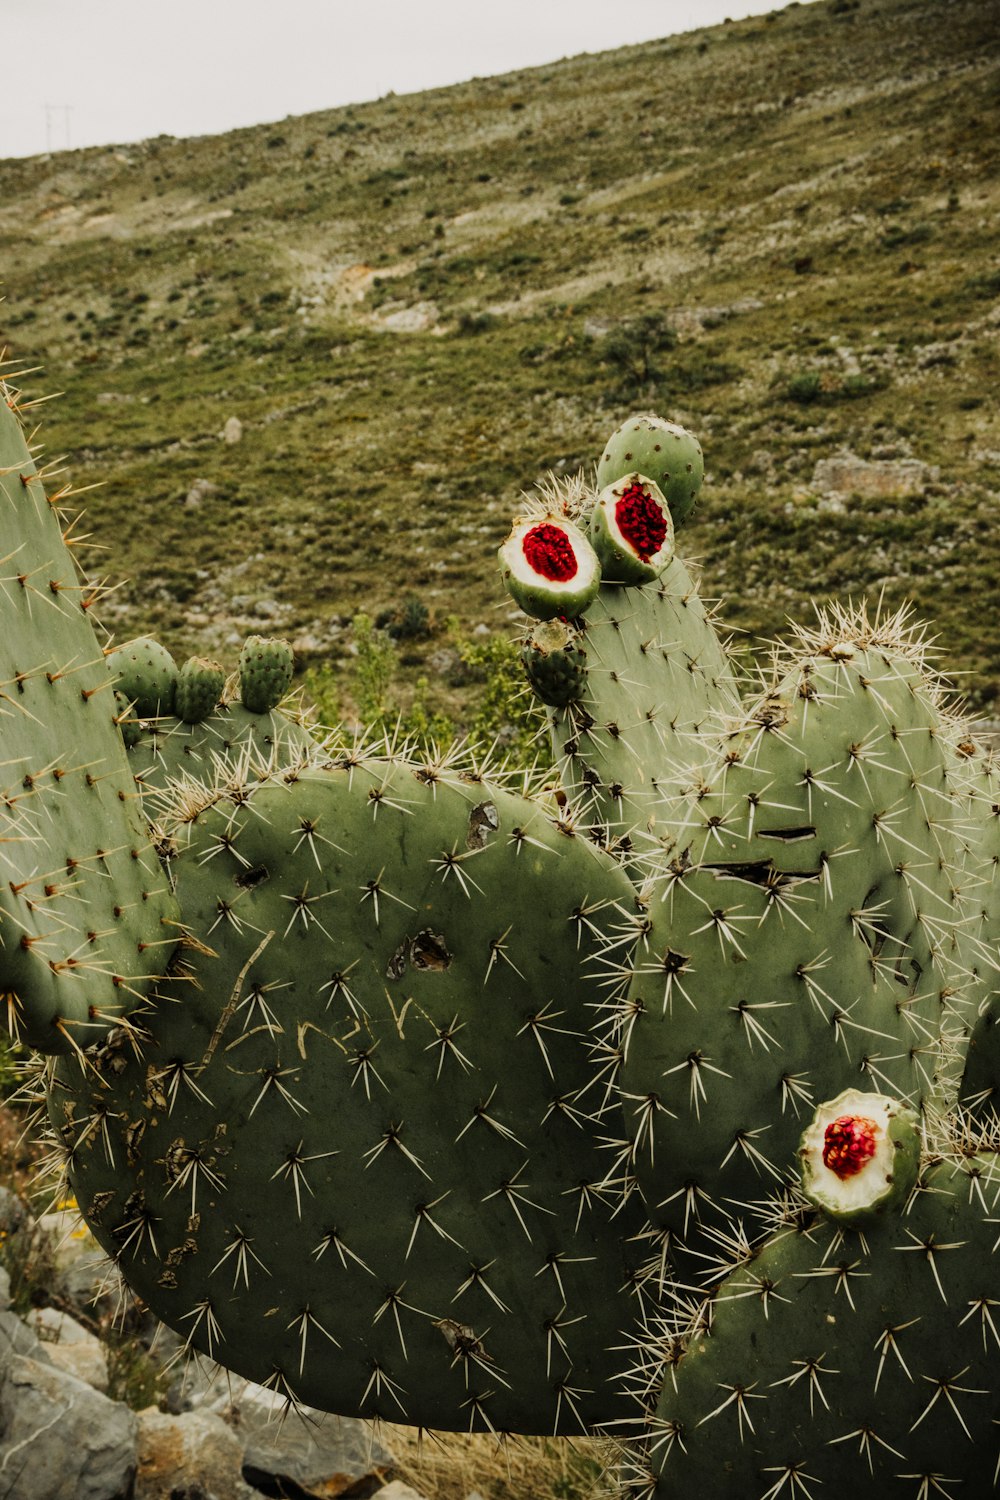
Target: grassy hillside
(781, 232)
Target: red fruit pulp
(550, 552)
(848, 1144)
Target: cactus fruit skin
(667, 454)
(847, 1363)
(266, 668)
(387, 1005)
(84, 906)
(146, 674)
(199, 687)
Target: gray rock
(314, 1450)
(13, 1211)
(17, 1338)
(62, 1440)
(70, 1346)
(232, 432)
(188, 1455)
(397, 1490)
(876, 479)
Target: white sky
(93, 72)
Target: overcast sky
(92, 72)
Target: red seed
(848, 1144)
(641, 521)
(550, 552)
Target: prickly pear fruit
(556, 664)
(860, 1156)
(266, 668)
(199, 688)
(146, 674)
(668, 454)
(550, 568)
(631, 531)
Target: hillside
(783, 232)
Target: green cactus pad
(804, 930)
(199, 688)
(146, 674)
(266, 668)
(847, 1364)
(667, 454)
(85, 911)
(631, 531)
(549, 568)
(860, 1156)
(355, 1161)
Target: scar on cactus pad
(565, 1038)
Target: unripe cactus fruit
(860, 1156)
(146, 674)
(665, 452)
(265, 673)
(550, 568)
(631, 531)
(555, 663)
(199, 688)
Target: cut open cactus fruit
(550, 568)
(631, 531)
(860, 1156)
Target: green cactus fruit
(860, 1156)
(266, 668)
(146, 674)
(356, 1163)
(84, 904)
(631, 531)
(841, 1363)
(550, 568)
(555, 663)
(199, 688)
(667, 454)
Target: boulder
(62, 1440)
(70, 1346)
(194, 1456)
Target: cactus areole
(860, 1156)
(550, 568)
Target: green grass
(415, 306)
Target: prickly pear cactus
(479, 1107)
(363, 1141)
(87, 919)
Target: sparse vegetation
(406, 303)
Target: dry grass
(453, 1466)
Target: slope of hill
(781, 232)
